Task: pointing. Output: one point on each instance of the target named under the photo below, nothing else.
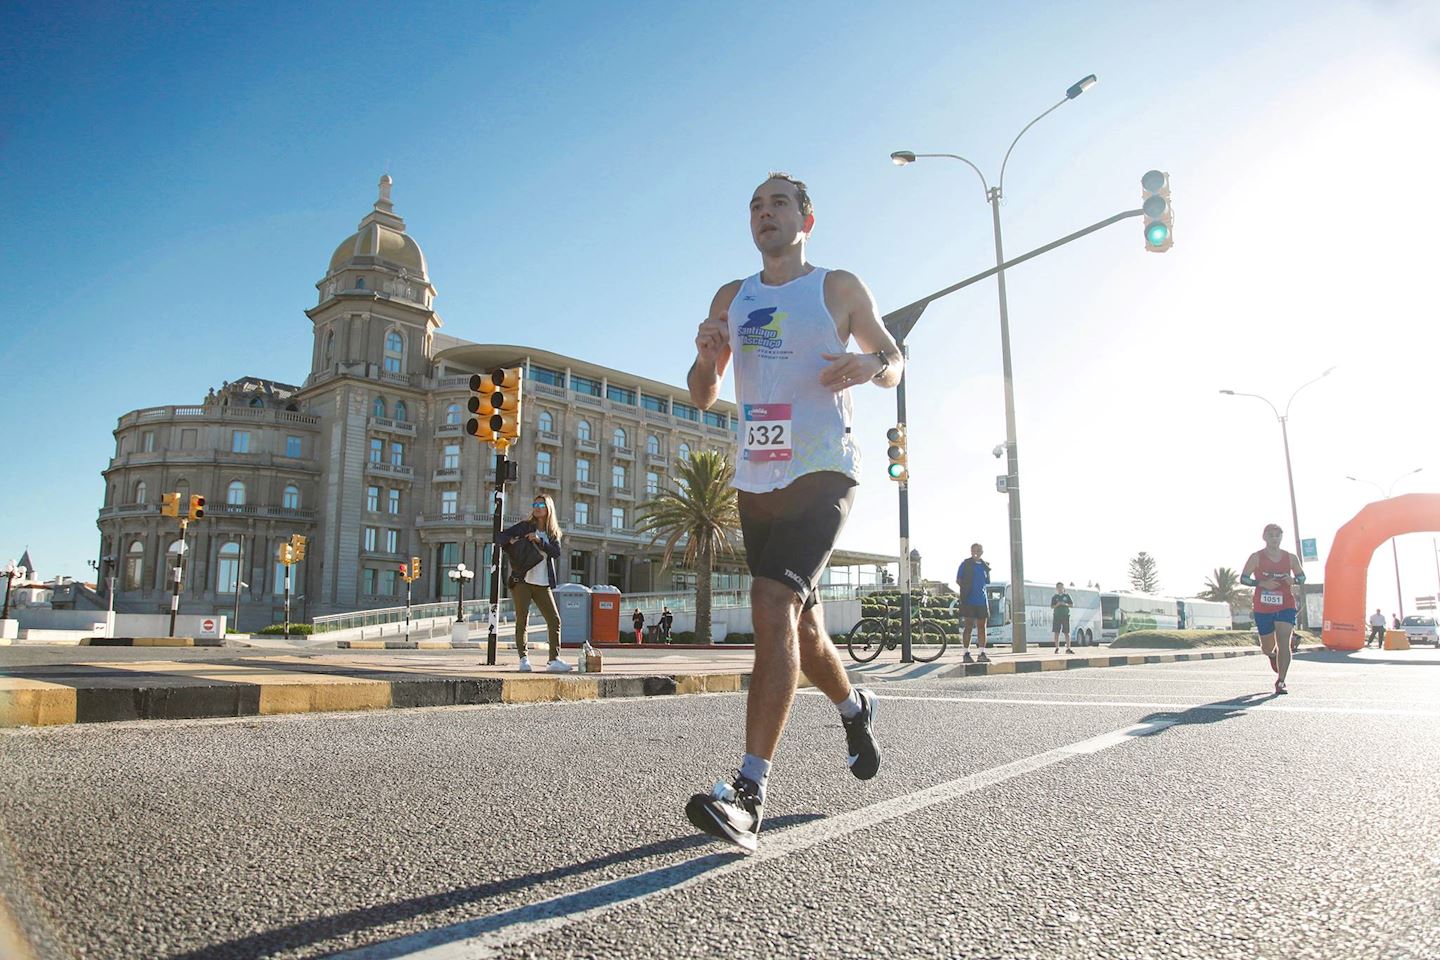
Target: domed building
(369, 460)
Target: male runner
(1271, 571)
(972, 577)
(1060, 604)
(786, 329)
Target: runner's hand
(848, 370)
(712, 339)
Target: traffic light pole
(906, 655)
(491, 639)
(179, 575)
(407, 606)
(287, 601)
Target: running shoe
(982, 658)
(731, 812)
(1069, 651)
(1280, 687)
(558, 666)
(525, 665)
(860, 737)
(967, 658)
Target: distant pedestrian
(1060, 604)
(1394, 621)
(1272, 571)
(973, 577)
(667, 622)
(638, 621)
(1377, 629)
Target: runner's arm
(712, 349)
(856, 315)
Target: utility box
(573, 602)
(605, 614)
(1396, 640)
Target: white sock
(851, 706)
(757, 770)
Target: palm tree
(1224, 585)
(701, 507)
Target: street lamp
(993, 196)
(107, 562)
(461, 575)
(1284, 418)
(1395, 554)
(11, 572)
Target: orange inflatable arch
(1348, 565)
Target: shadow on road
(333, 926)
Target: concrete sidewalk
(83, 690)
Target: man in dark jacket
(973, 577)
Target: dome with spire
(381, 241)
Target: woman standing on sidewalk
(538, 581)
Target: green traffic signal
(897, 471)
(1156, 234)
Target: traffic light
(297, 545)
(287, 554)
(197, 507)
(170, 504)
(495, 402)
(899, 469)
(414, 568)
(1159, 217)
(404, 571)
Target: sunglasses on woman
(539, 505)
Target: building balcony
(588, 400)
(450, 430)
(446, 475)
(657, 460)
(217, 412)
(548, 437)
(591, 528)
(546, 390)
(545, 481)
(585, 486)
(464, 518)
(622, 453)
(622, 493)
(224, 457)
(259, 510)
(129, 510)
(389, 470)
(591, 446)
(399, 428)
(449, 383)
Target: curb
(152, 642)
(403, 645)
(1081, 662)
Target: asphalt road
(1147, 811)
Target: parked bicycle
(928, 638)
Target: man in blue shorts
(1273, 571)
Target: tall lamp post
(461, 575)
(1284, 419)
(107, 562)
(1395, 554)
(993, 195)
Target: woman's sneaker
(525, 665)
(1280, 687)
(558, 666)
(860, 737)
(730, 811)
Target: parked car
(1421, 630)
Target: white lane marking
(1420, 698)
(1266, 706)
(488, 936)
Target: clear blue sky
(177, 176)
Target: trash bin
(573, 602)
(605, 614)
(652, 633)
(1396, 640)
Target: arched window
(582, 430)
(617, 476)
(377, 409)
(683, 452)
(329, 348)
(452, 415)
(227, 579)
(546, 421)
(134, 566)
(291, 500)
(359, 283)
(618, 438)
(174, 551)
(542, 463)
(394, 352)
(140, 492)
(652, 445)
(235, 493)
(402, 412)
(257, 401)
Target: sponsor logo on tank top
(763, 332)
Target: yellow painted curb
(367, 644)
(1132, 660)
(164, 642)
(1000, 668)
(35, 703)
(312, 697)
(722, 683)
(1047, 665)
(536, 690)
(579, 688)
(432, 645)
(689, 683)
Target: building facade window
(235, 494)
(329, 348)
(617, 476)
(542, 463)
(240, 441)
(371, 536)
(294, 447)
(394, 352)
(449, 503)
(377, 449)
(619, 438)
(392, 541)
(685, 411)
(397, 453)
(188, 438)
(617, 518)
(551, 378)
(452, 415)
(652, 483)
(657, 404)
(227, 574)
(447, 555)
(582, 430)
(377, 409)
(582, 512)
(652, 445)
(620, 395)
(388, 579)
(451, 459)
(372, 499)
(393, 503)
(582, 470)
(591, 388)
(369, 580)
(140, 492)
(579, 566)
(402, 412)
(134, 566)
(683, 451)
(147, 441)
(545, 421)
(290, 500)
(281, 573)
(713, 419)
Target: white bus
(1123, 612)
(1197, 614)
(1084, 614)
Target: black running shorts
(790, 532)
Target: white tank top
(790, 424)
